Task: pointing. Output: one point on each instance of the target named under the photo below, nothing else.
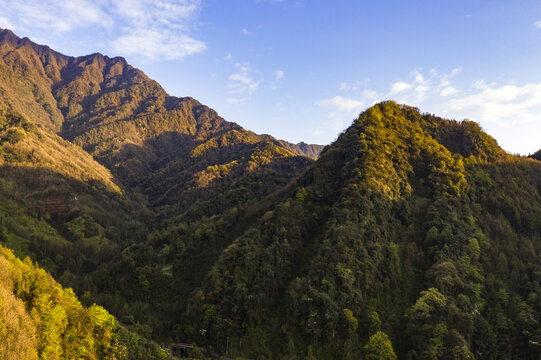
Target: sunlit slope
(408, 226)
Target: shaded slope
(408, 224)
(60, 206)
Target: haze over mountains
(411, 235)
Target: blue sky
(302, 70)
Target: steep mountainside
(410, 231)
(98, 164)
(38, 317)
(58, 205)
(132, 126)
(411, 236)
(41, 320)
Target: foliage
(413, 235)
(388, 222)
(379, 347)
(53, 324)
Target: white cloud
(504, 105)
(172, 14)
(157, 45)
(242, 81)
(347, 87)
(278, 75)
(497, 105)
(343, 86)
(400, 86)
(6, 24)
(354, 86)
(418, 77)
(340, 103)
(245, 32)
(369, 94)
(538, 24)
(234, 100)
(149, 29)
(448, 91)
(55, 16)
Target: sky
(302, 70)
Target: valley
(131, 218)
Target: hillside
(41, 320)
(98, 163)
(410, 232)
(163, 146)
(411, 236)
(55, 196)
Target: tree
(379, 347)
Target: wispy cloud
(6, 24)
(246, 32)
(278, 76)
(242, 80)
(400, 86)
(448, 91)
(156, 45)
(150, 13)
(148, 29)
(345, 86)
(341, 103)
(538, 24)
(502, 104)
(235, 100)
(157, 29)
(55, 16)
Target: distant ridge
(73, 95)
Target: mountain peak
(7, 35)
(464, 137)
(94, 93)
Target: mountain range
(410, 236)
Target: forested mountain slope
(38, 317)
(410, 232)
(41, 320)
(98, 164)
(57, 203)
(411, 236)
(114, 111)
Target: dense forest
(410, 237)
